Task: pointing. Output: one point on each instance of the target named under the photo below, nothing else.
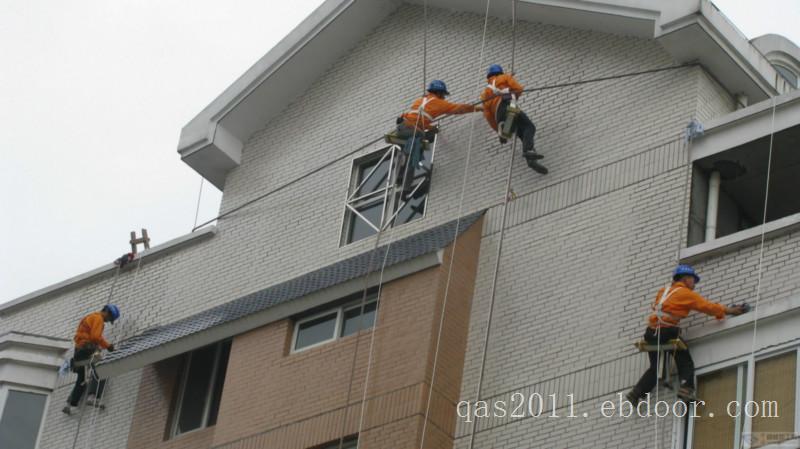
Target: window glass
(774, 393)
(358, 228)
(349, 443)
(717, 389)
(354, 320)
(196, 389)
(316, 331)
(219, 382)
(22, 416)
(790, 76)
(376, 179)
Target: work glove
(110, 348)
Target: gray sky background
(93, 95)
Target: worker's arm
(703, 305)
(95, 323)
(441, 107)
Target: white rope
(197, 209)
(392, 177)
(455, 238)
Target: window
(200, 388)
(735, 180)
(787, 74)
(768, 412)
(375, 198)
(336, 322)
(21, 419)
(349, 443)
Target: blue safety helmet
(685, 270)
(494, 69)
(438, 86)
(113, 311)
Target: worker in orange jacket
(670, 306)
(88, 340)
(497, 96)
(413, 124)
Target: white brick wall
(610, 206)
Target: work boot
(687, 393)
(532, 155)
(633, 397)
(503, 140)
(67, 410)
(537, 167)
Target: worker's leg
(650, 377)
(77, 391)
(526, 131)
(685, 364)
(412, 150)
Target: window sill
(780, 308)
(741, 239)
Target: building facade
(292, 322)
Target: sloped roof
(353, 268)
(690, 30)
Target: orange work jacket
(90, 330)
(681, 300)
(433, 107)
(492, 95)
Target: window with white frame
(749, 404)
(200, 388)
(729, 187)
(375, 198)
(21, 418)
(354, 315)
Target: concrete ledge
(31, 360)
(766, 312)
(154, 252)
(741, 239)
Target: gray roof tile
(362, 264)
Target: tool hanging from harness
(505, 128)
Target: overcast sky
(93, 95)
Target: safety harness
(660, 313)
(505, 128)
(421, 110)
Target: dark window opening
(200, 388)
(741, 173)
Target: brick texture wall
(611, 204)
(276, 398)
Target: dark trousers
(413, 146)
(95, 388)
(683, 361)
(522, 126)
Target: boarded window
(774, 398)
(717, 389)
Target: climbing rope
(197, 209)
(455, 236)
(392, 176)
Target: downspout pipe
(712, 207)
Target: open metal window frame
(745, 377)
(337, 331)
(389, 193)
(184, 376)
